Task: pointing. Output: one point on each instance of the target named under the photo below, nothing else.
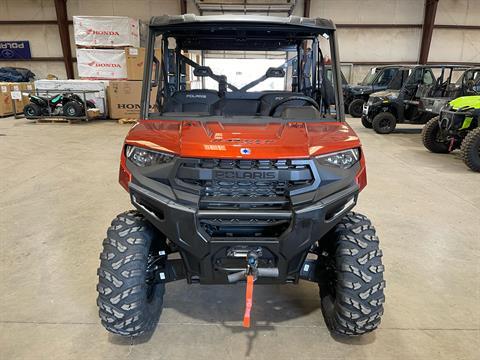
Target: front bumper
(207, 254)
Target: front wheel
(432, 139)
(384, 123)
(130, 297)
(32, 110)
(471, 149)
(367, 124)
(351, 285)
(355, 109)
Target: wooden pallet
(56, 121)
(127, 121)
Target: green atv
(457, 126)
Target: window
(428, 78)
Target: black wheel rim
(71, 111)
(30, 112)
(357, 109)
(385, 124)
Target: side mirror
(203, 71)
(275, 73)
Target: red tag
(248, 301)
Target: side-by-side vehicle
(237, 180)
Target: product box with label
(16, 94)
(106, 31)
(102, 63)
(135, 58)
(124, 99)
(6, 107)
(27, 89)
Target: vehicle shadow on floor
(274, 306)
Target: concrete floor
(59, 192)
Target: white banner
(102, 64)
(97, 31)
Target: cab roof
(166, 21)
(239, 32)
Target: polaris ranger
(377, 79)
(235, 185)
(385, 109)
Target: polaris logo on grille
(245, 174)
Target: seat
(232, 107)
(268, 100)
(191, 101)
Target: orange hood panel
(267, 140)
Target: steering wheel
(293, 98)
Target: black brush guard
(215, 230)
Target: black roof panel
(246, 20)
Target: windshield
(241, 71)
(370, 77)
(471, 81)
(291, 79)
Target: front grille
(245, 178)
(244, 227)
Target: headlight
(342, 159)
(143, 158)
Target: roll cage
(234, 33)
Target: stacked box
(108, 47)
(112, 64)
(19, 104)
(22, 89)
(124, 99)
(106, 31)
(102, 64)
(6, 105)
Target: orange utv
(242, 169)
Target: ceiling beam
(427, 29)
(62, 20)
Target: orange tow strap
(248, 301)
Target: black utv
(377, 79)
(385, 109)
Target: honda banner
(109, 31)
(102, 63)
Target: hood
(386, 93)
(359, 89)
(466, 101)
(268, 140)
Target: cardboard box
(19, 104)
(124, 99)
(102, 64)
(6, 105)
(27, 89)
(106, 31)
(135, 58)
